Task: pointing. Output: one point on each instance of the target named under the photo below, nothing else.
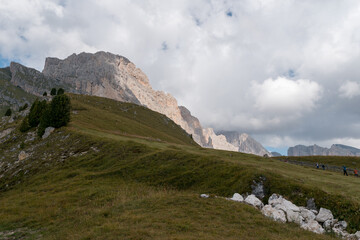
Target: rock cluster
(282, 210)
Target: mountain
(112, 76)
(276, 154)
(11, 96)
(244, 143)
(315, 150)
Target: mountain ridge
(315, 150)
(113, 76)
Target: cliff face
(33, 81)
(244, 143)
(334, 150)
(112, 76)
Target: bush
(24, 127)
(22, 108)
(8, 112)
(60, 91)
(53, 92)
(36, 111)
(56, 115)
(45, 94)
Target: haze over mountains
(108, 75)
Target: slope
(104, 177)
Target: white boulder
(341, 225)
(281, 203)
(254, 201)
(47, 132)
(22, 155)
(237, 197)
(357, 234)
(329, 224)
(204, 195)
(273, 213)
(312, 226)
(324, 214)
(307, 214)
(294, 217)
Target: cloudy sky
(285, 71)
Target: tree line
(43, 114)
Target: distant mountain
(245, 143)
(112, 76)
(315, 150)
(276, 154)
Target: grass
(103, 178)
(350, 162)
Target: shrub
(45, 94)
(60, 91)
(24, 127)
(53, 92)
(8, 112)
(22, 108)
(36, 111)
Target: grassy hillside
(10, 95)
(350, 162)
(103, 178)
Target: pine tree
(36, 111)
(60, 91)
(53, 92)
(8, 112)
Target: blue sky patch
(229, 13)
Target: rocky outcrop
(33, 81)
(315, 150)
(282, 210)
(47, 132)
(244, 143)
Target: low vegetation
(121, 171)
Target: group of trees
(43, 114)
(55, 92)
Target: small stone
(329, 224)
(357, 234)
(204, 195)
(341, 225)
(47, 132)
(22, 155)
(237, 197)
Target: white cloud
(282, 96)
(349, 89)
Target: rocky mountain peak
(113, 76)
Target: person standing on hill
(317, 165)
(323, 166)
(345, 172)
(356, 172)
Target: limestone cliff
(107, 75)
(315, 150)
(244, 143)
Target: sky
(286, 72)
